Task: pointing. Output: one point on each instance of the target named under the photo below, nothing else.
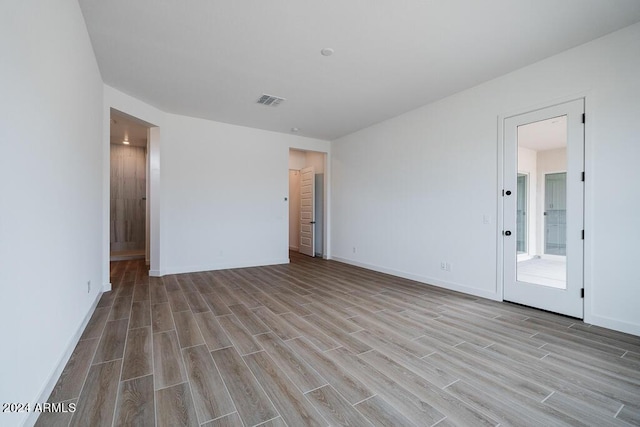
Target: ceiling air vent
(270, 100)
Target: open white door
(307, 211)
(544, 208)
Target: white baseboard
(155, 273)
(53, 378)
(617, 325)
(221, 266)
(422, 279)
(106, 287)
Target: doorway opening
(307, 202)
(129, 187)
(544, 208)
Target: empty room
(282, 213)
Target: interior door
(307, 211)
(545, 141)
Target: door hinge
(584, 117)
(582, 293)
(582, 177)
(582, 234)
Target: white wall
(219, 196)
(51, 186)
(412, 191)
(223, 194)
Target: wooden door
(307, 211)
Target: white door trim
(154, 119)
(587, 96)
(566, 301)
(326, 202)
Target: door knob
(312, 222)
(508, 193)
(507, 233)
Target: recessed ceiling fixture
(270, 100)
(295, 130)
(327, 51)
(125, 141)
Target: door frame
(326, 198)
(152, 205)
(587, 97)
(153, 118)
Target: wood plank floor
(318, 342)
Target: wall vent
(270, 100)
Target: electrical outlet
(445, 266)
(89, 286)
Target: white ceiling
(544, 135)
(214, 58)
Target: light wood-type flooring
(318, 342)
